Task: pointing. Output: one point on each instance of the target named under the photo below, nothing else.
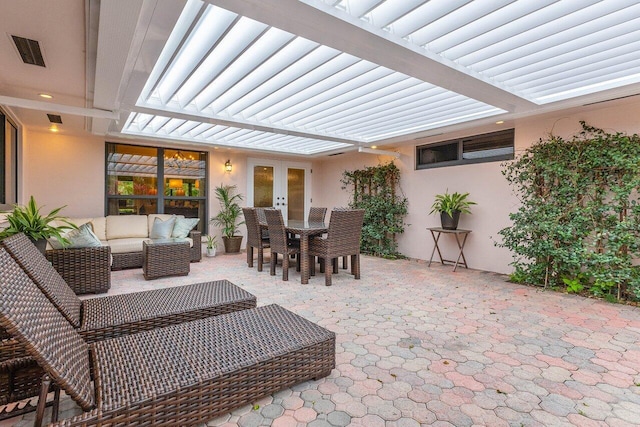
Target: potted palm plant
(38, 228)
(450, 206)
(228, 217)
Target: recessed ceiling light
(45, 95)
(499, 122)
(54, 128)
(374, 146)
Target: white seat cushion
(130, 244)
(127, 226)
(121, 246)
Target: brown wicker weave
(280, 243)
(343, 239)
(86, 270)
(317, 214)
(162, 258)
(105, 317)
(126, 260)
(180, 375)
(255, 239)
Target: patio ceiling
(310, 77)
(316, 77)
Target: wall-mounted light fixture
(228, 167)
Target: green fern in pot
(450, 206)
(37, 227)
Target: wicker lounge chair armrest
(195, 235)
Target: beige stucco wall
(64, 170)
(483, 181)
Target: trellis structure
(376, 189)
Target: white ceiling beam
(377, 46)
(57, 108)
(239, 125)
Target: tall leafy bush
(578, 225)
(377, 190)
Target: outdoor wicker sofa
(124, 234)
(180, 375)
(105, 317)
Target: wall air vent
(29, 50)
(55, 118)
(612, 99)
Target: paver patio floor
(426, 346)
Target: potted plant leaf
(228, 217)
(38, 228)
(450, 206)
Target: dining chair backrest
(254, 235)
(345, 229)
(261, 217)
(277, 233)
(317, 214)
(37, 324)
(44, 276)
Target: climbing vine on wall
(578, 226)
(376, 189)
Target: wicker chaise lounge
(180, 375)
(104, 317)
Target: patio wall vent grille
(29, 50)
(54, 118)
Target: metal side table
(436, 232)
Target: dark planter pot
(41, 244)
(449, 222)
(232, 244)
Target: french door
(281, 184)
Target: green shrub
(579, 213)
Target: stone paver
(426, 346)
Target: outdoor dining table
(304, 229)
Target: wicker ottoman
(167, 257)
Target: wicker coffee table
(165, 257)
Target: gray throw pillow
(162, 229)
(183, 227)
(83, 237)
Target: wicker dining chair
(280, 243)
(181, 375)
(255, 238)
(343, 239)
(104, 317)
(317, 214)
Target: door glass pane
(262, 186)
(295, 193)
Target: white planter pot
(210, 252)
